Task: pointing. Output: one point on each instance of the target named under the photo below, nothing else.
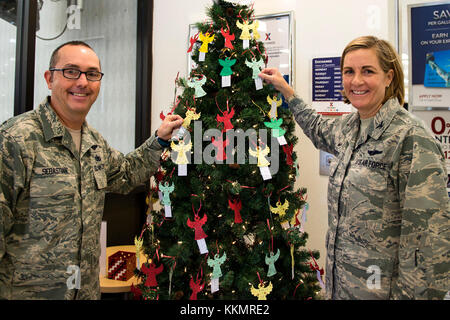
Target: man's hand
(275, 78)
(170, 123)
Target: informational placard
(439, 123)
(276, 34)
(327, 86)
(429, 63)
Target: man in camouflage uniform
(388, 235)
(53, 184)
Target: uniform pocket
(51, 204)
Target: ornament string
(271, 235)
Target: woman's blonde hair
(387, 58)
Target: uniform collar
(51, 125)
(53, 128)
(380, 122)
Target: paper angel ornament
(226, 71)
(245, 35)
(281, 209)
(228, 38)
(181, 159)
(206, 39)
(221, 154)
(236, 206)
(277, 132)
(197, 84)
(226, 119)
(270, 261)
(288, 149)
(166, 190)
(254, 27)
(215, 264)
(217, 272)
(151, 271)
(260, 154)
(192, 40)
(262, 292)
(190, 115)
(200, 235)
(196, 288)
(263, 163)
(274, 104)
(256, 67)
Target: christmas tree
(231, 225)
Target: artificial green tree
(250, 221)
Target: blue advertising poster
(430, 55)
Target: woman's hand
(275, 78)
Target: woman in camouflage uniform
(388, 235)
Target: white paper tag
(202, 246)
(179, 133)
(168, 211)
(285, 225)
(258, 83)
(281, 140)
(273, 110)
(226, 81)
(160, 195)
(201, 56)
(182, 170)
(265, 172)
(245, 44)
(214, 285)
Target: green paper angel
(166, 190)
(270, 261)
(216, 263)
(226, 64)
(256, 66)
(197, 84)
(275, 125)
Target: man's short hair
(54, 57)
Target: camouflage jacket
(52, 203)
(388, 222)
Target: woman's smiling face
(364, 81)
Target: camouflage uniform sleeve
(127, 172)
(319, 130)
(12, 177)
(424, 248)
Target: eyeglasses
(71, 73)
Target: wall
(323, 28)
(109, 27)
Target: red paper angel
(193, 40)
(151, 271)
(236, 206)
(221, 155)
(196, 288)
(288, 150)
(226, 119)
(228, 38)
(197, 226)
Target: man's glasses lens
(70, 73)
